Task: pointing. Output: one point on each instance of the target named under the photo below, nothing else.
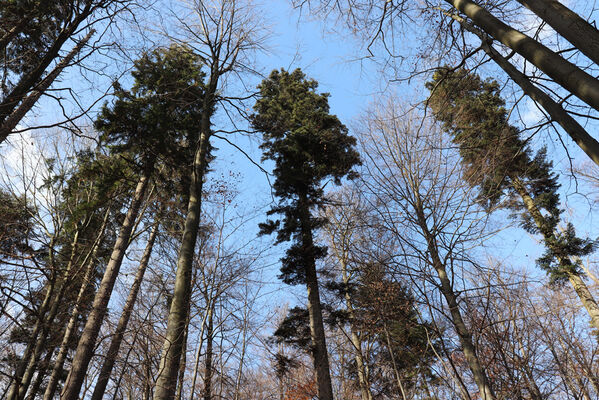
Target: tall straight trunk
(87, 342)
(317, 333)
(183, 362)
(478, 372)
(569, 76)
(115, 344)
(583, 35)
(15, 117)
(46, 314)
(199, 351)
(42, 369)
(208, 368)
(361, 367)
(581, 289)
(177, 317)
(577, 133)
(75, 313)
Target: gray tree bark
(317, 332)
(478, 372)
(87, 342)
(177, 318)
(115, 344)
(584, 36)
(568, 75)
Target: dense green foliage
(498, 161)
(308, 145)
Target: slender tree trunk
(568, 75)
(198, 352)
(478, 372)
(577, 133)
(362, 368)
(207, 392)
(581, 289)
(583, 35)
(42, 369)
(15, 117)
(87, 342)
(395, 369)
(71, 326)
(177, 318)
(317, 332)
(47, 313)
(115, 344)
(183, 362)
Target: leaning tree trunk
(317, 332)
(583, 35)
(478, 372)
(71, 325)
(115, 344)
(177, 318)
(577, 133)
(15, 117)
(87, 342)
(568, 75)
(576, 281)
(49, 305)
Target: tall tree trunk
(87, 342)
(361, 366)
(317, 332)
(478, 372)
(183, 362)
(568, 75)
(199, 351)
(583, 35)
(177, 318)
(115, 344)
(576, 281)
(75, 313)
(47, 309)
(577, 133)
(208, 368)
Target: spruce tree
(309, 146)
(502, 165)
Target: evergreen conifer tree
(502, 165)
(308, 146)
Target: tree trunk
(478, 372)
(27, 82)
(584, 36)
(177, 318)
(317, 333)
(576, 281)
(115, 344)
(568, 75)
(15, 117)
(71, 325)
(557, 113)
(87, 342)
(361, 367)
(47, 312)
(207, 392)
